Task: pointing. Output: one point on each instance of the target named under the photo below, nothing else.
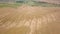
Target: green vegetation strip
(9, 5)
(39, 3)
(30, 3)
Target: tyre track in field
(43, 21)
(7, 20)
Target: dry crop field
(30, 20)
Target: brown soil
(11, 20)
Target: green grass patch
(9, 5)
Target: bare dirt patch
(12, 19)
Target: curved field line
(45, 19)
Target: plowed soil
(30, 20)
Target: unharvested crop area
(30, 20)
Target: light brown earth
(30, 20)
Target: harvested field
(30, 20)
